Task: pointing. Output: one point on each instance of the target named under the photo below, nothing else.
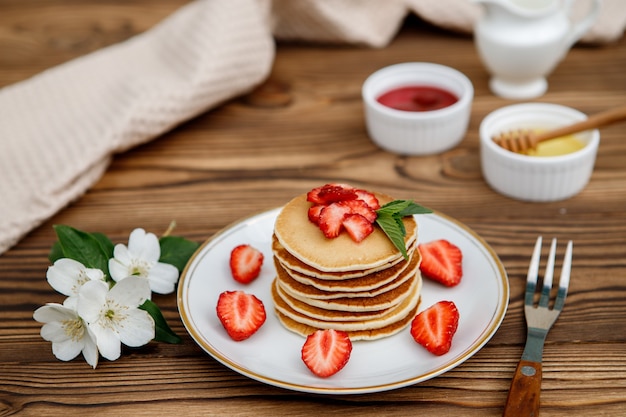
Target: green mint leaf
(403, 208)
(82, 247)
(393, 207)
(390, 220)
(177, 251)
(389, 224)
(413, 208)
(163, 332)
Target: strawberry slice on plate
(326, 352)
(245, 263)
(442, 262)
(240, 313)
(435, 327)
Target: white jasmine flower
(68, 333)
(67, 276)
(113, 315)
(141, 258)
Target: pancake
(391, 323)
(312, 276)
(303, 239)
(371, 334)
(379, 302)
(320, 312)
(369, 286)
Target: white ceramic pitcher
(521, 41)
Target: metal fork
(523, 399)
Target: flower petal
(144, 245)
(118, 270)
(71, 302)
(54, 332)
(53, 312)
(67, 349)
(163, 278)
(108, 341)
(138, 328)
(63, 276)
(131, 291)
(90, 350)
(91, 299)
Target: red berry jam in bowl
(418, 98)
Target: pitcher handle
(580, 28)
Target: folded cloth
(60, 129)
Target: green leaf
(403, 208)
(413, 208)
(389, 218)
(56, 252)
(105, 243)
(82, 247)
(163, 333)
(177, 251)
(389, 225)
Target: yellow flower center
(113, 315)
(140, 268)
(82, 278)
(74, 328)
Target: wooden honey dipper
(521, 140)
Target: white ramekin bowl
(417, 133)
(532, 178)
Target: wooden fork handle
(523, 399)
(592, 122)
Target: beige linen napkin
(59, 129)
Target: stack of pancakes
(367, 289)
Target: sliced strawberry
(369, 199)
(241, 314)
(331, 219)
(333, 202)
(442, 262)
(326, 352)
(314, 213)
(360, 207)
(434, 327)
(245, 263)
(357, 226)
(331, 193)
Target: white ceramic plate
(272, 355)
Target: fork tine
(564, 279)
(533, 273)
(547, 278)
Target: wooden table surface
(301, 129)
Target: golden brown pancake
(369, 286)
(379, 302)
(395, 320)
(304, 240)
(331, 315)
(307, 272)
(372, 334)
